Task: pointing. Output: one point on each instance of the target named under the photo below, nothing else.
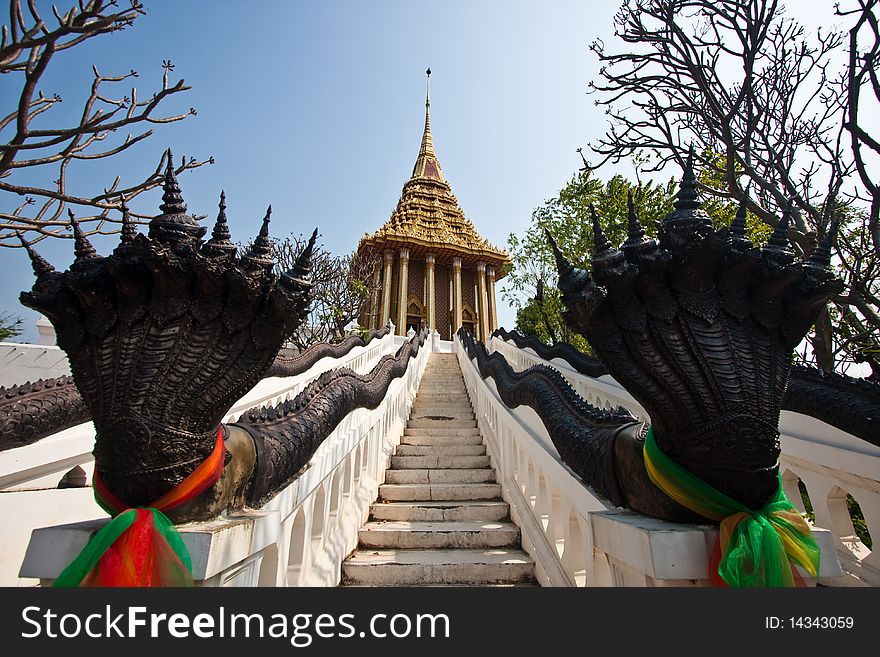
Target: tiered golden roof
(428, 219)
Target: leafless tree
(862, 77)
(28, 45)
(765, 105)
(342, 287)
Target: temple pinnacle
(426, 165)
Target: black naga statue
(579, 361)
(166, 333)
(32, 411)
(700, 329)
(850, 404)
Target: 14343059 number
(821, 622)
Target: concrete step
(440, 462)
(467, 534)
(441, 416)
(428, 510)
(448, 394)
(444, 396)
(451, 423)
(451, 386)
(460, 475)
(420, 567)
(410, 492)
(440, 450)
(441, 439)
(470, 431)
(457, 412)
(441, 408)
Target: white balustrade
(547, 500)
(38, 468)
(602, 392)
(830, 463)
(23, 363)
(301, 536)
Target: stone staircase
(439, 519)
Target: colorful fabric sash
(754, 547)
(141, 546)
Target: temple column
(493, 310)
(483, 302)
(373, 322)
(386, 289)
(403, 283)
(456, 295)
(429, 293)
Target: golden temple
(435, 269)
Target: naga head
(164, 334)
(699, 327)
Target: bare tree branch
(764, 104)
(342, 285)
(26, 50)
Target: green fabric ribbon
(757, 547)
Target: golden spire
(427, 165)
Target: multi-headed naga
(166, 333)
(699, 327)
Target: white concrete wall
(20, 363)
(33, 509)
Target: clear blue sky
(318, 109)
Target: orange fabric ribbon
(141, 547)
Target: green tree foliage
(567, 218)
(10, 326)
(341, 288)
(531, 284)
